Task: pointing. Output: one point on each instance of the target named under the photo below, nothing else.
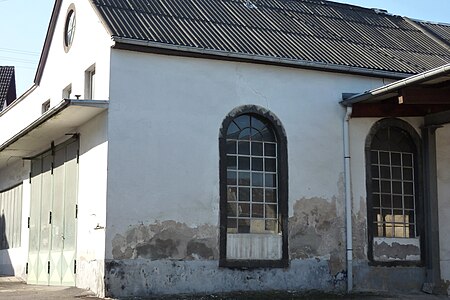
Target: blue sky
(23, 30)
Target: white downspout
(348, 200)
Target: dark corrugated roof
(441, 31)
(303, 30)
(7, 82)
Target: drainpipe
(348, 200)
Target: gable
(59, 65)
(322, 33)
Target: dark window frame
(419, 189)
(71, 12)
(282, 192)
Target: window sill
(253, 264)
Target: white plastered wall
(443, 181)
(164, 120)
(91, 46)
(92, 204)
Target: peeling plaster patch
(359, 222)
(166, 240)
(317, 230)
(396, 249)
(90, 275)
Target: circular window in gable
(69, 28)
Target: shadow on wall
(5, 262)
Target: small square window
(89, 83)
(45, 106)
(67, 92)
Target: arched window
(253, 190)
(394, 206)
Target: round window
(69, 30)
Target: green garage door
(53, 215)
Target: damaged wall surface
(381, 273)
(151, 214)
(155, 225)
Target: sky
(23, 30)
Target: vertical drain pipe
(348, 200)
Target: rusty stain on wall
(167, 240)
(316, 230)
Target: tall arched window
(253, 190)
(393, 169)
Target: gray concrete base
(387, 279)
(140, 277)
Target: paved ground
(12, 289)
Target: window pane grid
(252, 179)
(393, 193)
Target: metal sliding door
(34, 220)
(68, 262)
(53, 216)
(44, 219)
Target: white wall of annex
(164, 120)
(91, 45)
(443, 182)
(92, 204)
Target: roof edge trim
(47, 42)
(51, 113)
(186, 51)
(18, 99)
(389, 88)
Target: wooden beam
(439, 118)
(420, 95)
(389, 109)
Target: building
(220, 145)
(7, 86)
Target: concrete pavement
(11, 289)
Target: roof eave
(149, 46)
(59, 121)
(390, 88)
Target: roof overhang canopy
(54, 124)
(424, 94)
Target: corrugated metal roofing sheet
(442, 31)
(6, 76)
(307, 30)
